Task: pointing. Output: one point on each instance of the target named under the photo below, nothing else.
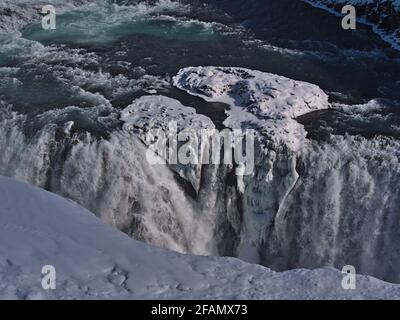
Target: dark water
(383, 121)
(356, 63)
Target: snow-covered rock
(93, 260)
(153, 112)
(259, 100)
(260, 93)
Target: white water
(343, 210)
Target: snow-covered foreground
(93, 260)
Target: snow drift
(95, 261)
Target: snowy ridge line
(382, 15)
(95, 261)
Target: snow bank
(93, 260)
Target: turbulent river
(339, 205)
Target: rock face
(383, 14)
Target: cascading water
(113, 178)
(343, 209)
(332, 202)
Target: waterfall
(338, 206)
(112, 178)
(308, 203)
(343, 210)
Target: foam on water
(105, 22)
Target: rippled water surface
(115, 53)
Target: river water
(286, 37)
